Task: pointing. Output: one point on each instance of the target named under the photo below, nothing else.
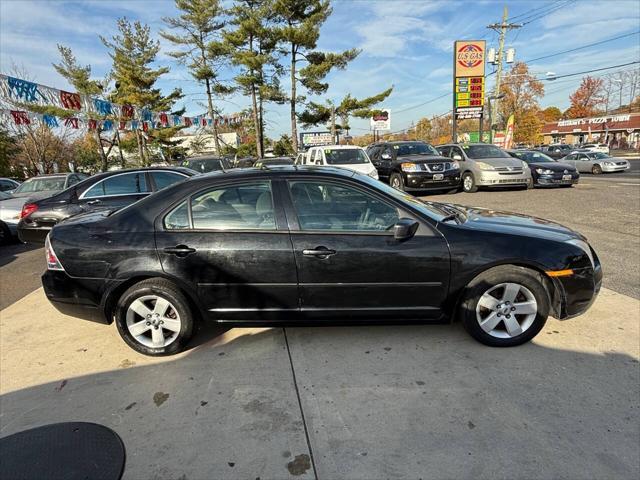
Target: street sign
(315, 139)
(468, 86)
(382, 121)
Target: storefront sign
(381, 121)
(316, 139)
(594, 120)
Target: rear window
(345, 156)
(124, 184)
(41, 184)
(164, 179)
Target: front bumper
(488, 178)
(556, 179)
(75, 297)
(426, 181)
(615, 168)
(575, 294)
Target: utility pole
(502, 29)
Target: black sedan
(545, 171)
(104, 191)
(293, 244)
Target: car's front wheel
(154, 318)
(505, 306)
(469, 183)
(397, 182)
(596, 169)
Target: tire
(596, 170)
(397, 182)
(469, 183)
(5, 234)
(174, 338)
(494, 283)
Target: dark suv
(414, 166)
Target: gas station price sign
(469, 58)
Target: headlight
(484, 166)
(373, 174)
(609, 164)
(409, 167)
(544, 171)
(455, 166)
(525, 164)
(585, 247)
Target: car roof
(272, 170)
(338, 147)
(143, 169)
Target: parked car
(556, 151)
(412, 166)
(273, 161)
(31, 190)
(8, 184)
(350, 157)
(485, 165)
(205, 164)
(105, 191)
(595, 162)
(545, 171)
(8, 226)
(596, 147)
(297, 244)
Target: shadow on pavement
(379, 402)
(8, 253)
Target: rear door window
(164, 179)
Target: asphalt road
(605, 208)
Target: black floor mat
(74, 450)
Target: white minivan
(351, 157)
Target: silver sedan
(596, 162)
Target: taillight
(28, 209)
(52, 259)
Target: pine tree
(301, 21)
(317, 114)
(80, 78)
(198, 33)
(251, 45)
(133, 52)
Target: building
(206, 142)
(619, 131)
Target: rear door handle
(180, 250)
(319, 252)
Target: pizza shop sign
(594, 120)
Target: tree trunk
(140, 147)
(123, 164)
(103, 157)
(256, 121)
(212, 116)
(333, 123)
(261, 121)
(294, 125)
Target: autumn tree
(133, 51)
(196, 32)
(551, 114)
(300, 32)
(9, 149)
(588, 99)
(422, 129)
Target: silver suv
(485, 165)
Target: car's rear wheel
(505, 306)
(469, 183)
(397, 182)
(5, 234)
(596, 169)
(154, 318)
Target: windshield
(484, 151)
(405, 149)
(41, 184)
(598, 155)
(534, 157)
(345, 156)
(205, 165)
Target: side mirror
(457, 156)
(385, 156)
(405, 229)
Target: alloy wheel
(395, 183)
(153, 321)
(506, 310)
(468, 182)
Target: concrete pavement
(339, 402)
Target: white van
(351, 157)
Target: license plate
(566, 177)
(438, 176)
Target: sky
(406, 44)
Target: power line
(582, 47)
(528, 13)
(548, 12)
(588, 71)
(424, 103)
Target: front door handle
(180, 250)
(319, 252)
(94, 202)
